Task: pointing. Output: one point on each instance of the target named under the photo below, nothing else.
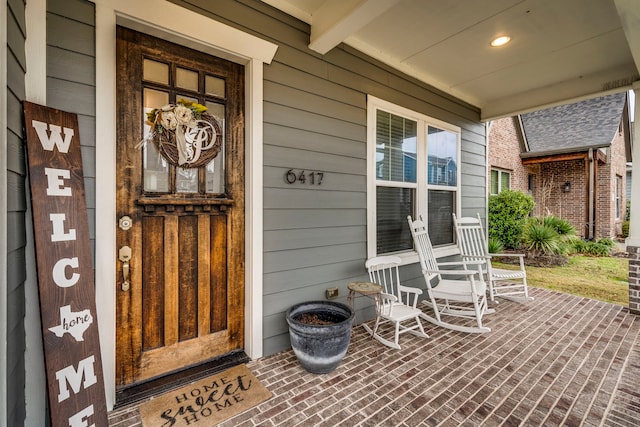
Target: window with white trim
(500, 181)
(413, 169)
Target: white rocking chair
(396, 303)
(469, 286)
(473, 247)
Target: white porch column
(633, 241)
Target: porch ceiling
(560, 51)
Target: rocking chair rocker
(468, 287)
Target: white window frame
(618, 197)
(421, 205)
(500, 172)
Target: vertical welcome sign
(65, 273)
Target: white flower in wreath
(169, 120)
(184, 116)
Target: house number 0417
(303, 177)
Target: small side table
(367, 289)
(363, 288)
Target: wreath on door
(185, 134)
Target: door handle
(125, 256)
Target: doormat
(206, 402)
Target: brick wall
(504, 152)
(615, 168)
(552, 198)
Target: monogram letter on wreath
(185, 134)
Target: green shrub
(598, 248)
(508, 212)
(625, 229)
(627, 215)
(606, 241)
(579, 247)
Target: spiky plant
(495, 246)
(540, 239)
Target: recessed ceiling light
(500, 41)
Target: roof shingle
(585, 124)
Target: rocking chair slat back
(471, 238)
(424, 249)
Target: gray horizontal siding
(71, 80)
(312, 218)
(16, 207)
(315, 120)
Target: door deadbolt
(125, 223)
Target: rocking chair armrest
(389, 297)
(410, 289)
(470, 262)
(440, 264)
(508, 255)
(452, 272)
(406, 292)
(476, 257)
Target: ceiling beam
(613, 80)
(334, 21)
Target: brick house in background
(571, 158)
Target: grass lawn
(604, 279)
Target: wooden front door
(181, 229)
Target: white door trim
(187, 28)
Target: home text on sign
(65, 273)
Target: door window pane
(186, 180)
(187, 79)
(394, 204)
(215, 169)
(440, 214)
(155, 167)
(395, 148)
(214, 86)
(155, 71)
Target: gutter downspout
(592, 181)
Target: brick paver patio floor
(558, 360)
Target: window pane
(395, 148)
(187, 79)
(393, 206)
(180, 97)
(440, 213)
(505, 179)
(442, 148)
(215, 168)
(214, 86)
(186, 180)
(156, 168)
(155, 71)
(494, 182)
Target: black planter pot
(320, 348)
